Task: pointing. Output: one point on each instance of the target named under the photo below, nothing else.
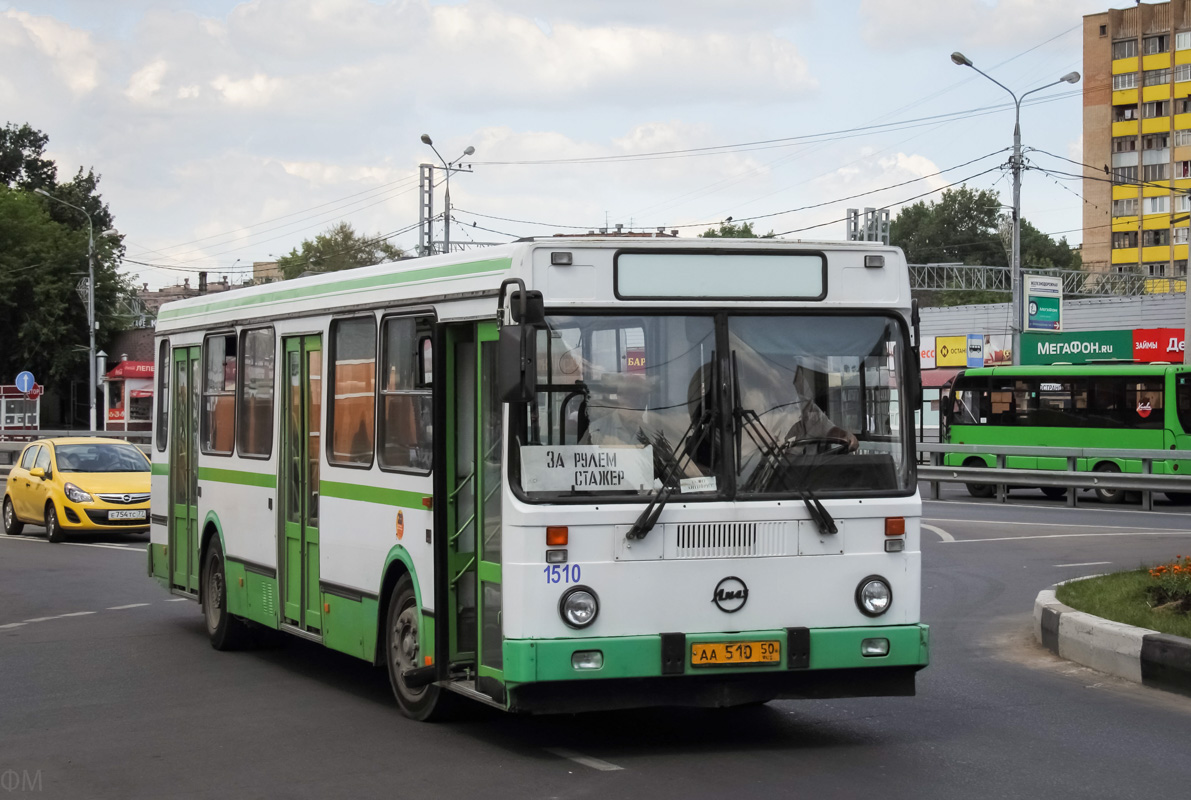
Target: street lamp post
(447, 167)
(1016, 163)
(93, 383)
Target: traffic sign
(36, 391)
(25, 382)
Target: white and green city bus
(557, 475)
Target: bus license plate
(723, 654)
(138, 514)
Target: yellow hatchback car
(78, 484)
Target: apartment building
(1137, 124)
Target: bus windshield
(715, 406)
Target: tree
(43, 255)
(742, 230)
(971, 226)
(21, 161)
(337, 248)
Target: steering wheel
(825, 445)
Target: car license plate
(137, 514)
(726, 654)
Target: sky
(227, 132)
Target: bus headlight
(579, 606)
(873, 596)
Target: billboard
(926, 352)
(951, 351)
(1043, 303)
(1083, 347)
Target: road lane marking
(1084, 564)
(1082, 507)
(944, 535)
(131, 605)
(177, 600)
(587, 761)
(38, 619)
(1035, 524)
(107, 546)
(21, 539)
(1073, 536)
(11, 625)
(74, 614)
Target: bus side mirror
(517, 360)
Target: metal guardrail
(1003, 477)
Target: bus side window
(407, 407)
(353, 385)
(1183, 401)
(219, 394)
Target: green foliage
(22, 163)
(43, 255)
(970, 226)
(727, 230)
(337, 248)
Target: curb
(1143, 656)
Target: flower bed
(1158, 598)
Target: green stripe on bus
(372, 494)
(371, 282)
(529, 660)
(237, 476)
(161, 468)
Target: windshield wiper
(649, 516)
(819, 514)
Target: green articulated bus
(1119, 406)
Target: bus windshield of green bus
(627, 405)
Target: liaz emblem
(730, 595)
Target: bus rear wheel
(979, 489)
(403, 652)
(1054, 492)
(225, 631)
(1109, 496)
(1179, 498)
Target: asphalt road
(108, 688)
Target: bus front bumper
(546, 675)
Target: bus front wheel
(403, 652)
(979, 489)
(1109, 496)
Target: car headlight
(873, 596)
(579, 606)
(76, 495)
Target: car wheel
(1179, 498)
(1109, 496)
(226, 631)
(53, 531)
(12, 525)
(979, 489)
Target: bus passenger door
(474, 451)
(301, 445)
(183, 523)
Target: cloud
(894, 25)
(70, 53)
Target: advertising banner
(1159, 344)
(1043, 303)
(975, 350)
(951, 351)
(998, 349)
(1076, 348)
(926, 353)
